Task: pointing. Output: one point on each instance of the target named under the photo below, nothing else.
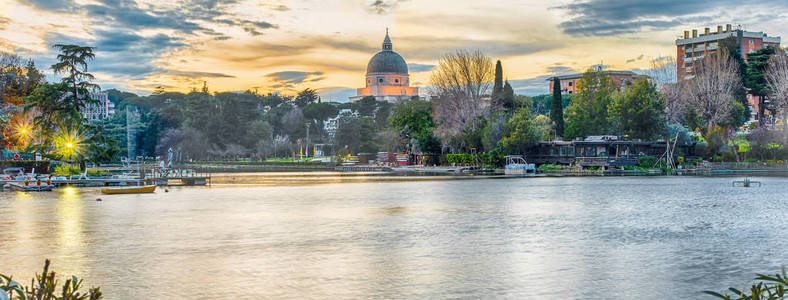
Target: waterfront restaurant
(601, 151)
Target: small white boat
(516, 165)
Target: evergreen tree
(507, 99)
(587, 113)
(557, 108)
(498, 84)
(731, 46)
(639, 111)
(754, 78)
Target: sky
(286, 46)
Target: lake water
(524, 238)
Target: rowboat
(129, 189)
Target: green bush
(66, 170)
(43, 287)
(750, 160)
(551, 167)
(728, 156)
(462, 159)
(98, 173)
(647, 161)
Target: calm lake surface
(524, 238)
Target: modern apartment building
(693, 47)
(569, 82)
(101, 110)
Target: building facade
(387, 77)
(694, 47)
(569, 82)
(102, 109)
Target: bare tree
(710, 94)
(462, 81)
(663, 74)
(777, 80)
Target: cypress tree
(497, 93)
(507, 97)
(556, 108)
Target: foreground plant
(767, 288)
(43, 287)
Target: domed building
(387, 77)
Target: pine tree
(556, 108)
(754, 78)
(497, 93)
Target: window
(750, 41)
(570, 83)
(570, 92)
(396, 80)
(380, 80)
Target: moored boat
(516, 165)
(129, 189)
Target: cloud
(289, 79)
(196, 74)
(615, 17)
(415, 68)
(336, 94)
(531, 86)
(280, 8)
(429, 47)
(631, 60)
(560, 70)
(382, 7)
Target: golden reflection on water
(69, 213)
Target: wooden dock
(30, 187)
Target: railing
(744, 165)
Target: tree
(587, 113)
(520, 134)
(366, 106)
(730, 45)
(755, 80)
(320, 111)
(358, 134)
(507, 98)
(413, 120)
(556, 108)
(305, 97)
(639, 111)
(776, 76)
(497, 93)
(73, 62)
(461, 81)
(709, 96)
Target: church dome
(387, 61)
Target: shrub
(728, 156)
(647, 161)
(43, 287)
(767, 288)
(98, 173)
(462, 159)
(750, 160)
(66, 170)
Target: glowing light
(68, 145)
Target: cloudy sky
(237, 45)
